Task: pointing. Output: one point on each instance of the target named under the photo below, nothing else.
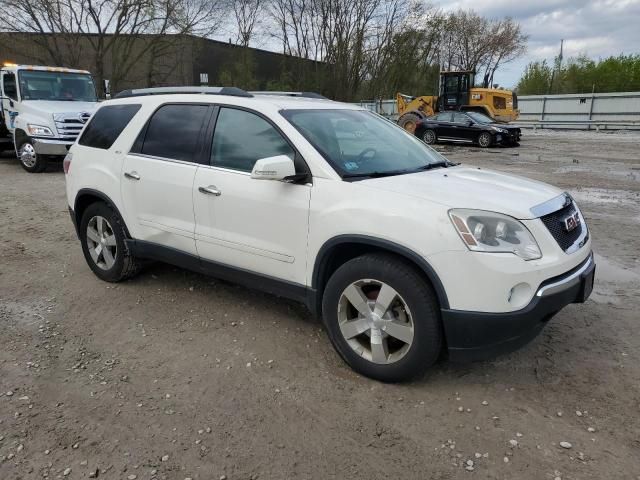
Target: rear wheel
(484, 139)
(382, 318)
(29, 159)
(409, 121)
(429, 137)
(102, 234)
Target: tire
(412, 308)
(408, 121)
(429, 137)
(29, 159)
(485, 140)
(104, 221)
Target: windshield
(358, 143)
(57, 86)
(480, 117)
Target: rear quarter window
(106, 125)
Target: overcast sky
(598, 28)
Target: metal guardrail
(600, 111)
(579, 124)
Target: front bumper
(47, 146)
(508, 139)
(475, 336)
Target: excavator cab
(455, 89)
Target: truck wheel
(102, 235)
(409, 121)
(429, 137)
(382, 317)
(29, 159)
(484, 139)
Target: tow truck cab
(42, 110)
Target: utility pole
(557, 66)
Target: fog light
(519, 295)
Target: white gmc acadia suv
(403, 254)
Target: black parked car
(467, 127)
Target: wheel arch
(18, 136)
(88, 196)
(340, 249)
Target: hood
(52, 106)
(465, 187)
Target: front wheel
(29, 159)
(382, 317)
(429, 137)
(409, 121)
(485, 139)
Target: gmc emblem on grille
(571, 222)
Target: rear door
(158, 175)
(461, 128)
(256, 225)
(443, 124)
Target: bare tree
(38, 18)
(508, 43)
(246, 14)
(125, 32)
(473, 42)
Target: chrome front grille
(569, 241)
(69, 125)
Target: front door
(256, 225)
(158, 175)
(9, 95)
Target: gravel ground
(174, 375)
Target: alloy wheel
(375, 321)
(101, 242)
(484, 140)
(28, 155)
(429, 137)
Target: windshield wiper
(443, 164)
(375, 174)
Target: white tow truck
(42, 110)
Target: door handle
(210, 190)
(132, 175)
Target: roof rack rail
(292, 94)
(140, 92)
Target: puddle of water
(577, 168)
(601, 195)
(609, 272)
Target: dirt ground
(174, 375)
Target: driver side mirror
(279, 167)
(470, 123)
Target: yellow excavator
(458, 93)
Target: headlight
(39, 130)
(498, 129)
(492, 232)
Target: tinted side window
(106, 125)
(174, 132)
(242, 137)
(9, 85)
(443, 117)
(460, 118)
